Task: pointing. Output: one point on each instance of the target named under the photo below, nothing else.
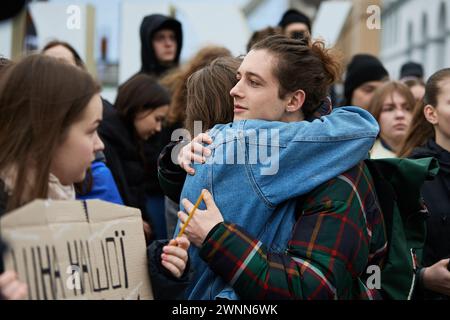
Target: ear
(296, 101)
(430, 114)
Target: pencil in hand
(191, 214)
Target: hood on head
(151, 24)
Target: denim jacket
(257, 168)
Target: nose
(236, 91)
(98, 143)
(400, 113)
(169, 41)
(158, 127)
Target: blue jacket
(103, 186)
(276, 162)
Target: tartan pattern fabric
(339, 232)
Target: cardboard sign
(78, 250)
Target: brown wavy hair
(78, 61)
(420, 129)
(303, 64)
(40, 98)
(176, 80)
(387, 89)
(208, 94)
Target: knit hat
(292, 16)
(411, 69)
(363, 68)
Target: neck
(394, 144)
(166, 63)
(292, 117)
(442, 141)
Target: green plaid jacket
(339, 232)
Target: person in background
(411, 70)
(417, 88)
(161, 43)
(392, 105)
(64, 52)
(262, 34)
(141, 107)
(295, 24)
(209, 109)
(10, 287)
(365, 73)
(429, 136)
(51, 111)
(175, 81)
(99, 182)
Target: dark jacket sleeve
(170, 175)
(165, 285)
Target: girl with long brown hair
(48, 139)
(140, 109)
(429, 136)
(48, 129)
(391, 105)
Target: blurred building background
(108, 35)
(416, 30)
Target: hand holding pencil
(198, 223)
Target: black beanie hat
(292, 16)
(411, 69)
(363, 68)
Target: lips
(238, 108)
(400, 126)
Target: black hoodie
(436, 194)
(151, 24)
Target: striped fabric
(339, 233)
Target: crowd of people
(304, 222)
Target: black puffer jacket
(150, 24)
(135, 177)
(436, 194)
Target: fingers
(203, 137)
(174, 259)
(208, 198)
(187, 205)
(184, 160)
(177, 252)
(20, 293)
(7, 277)
(194, 152)
(183, 243)
(198, 151)
(174, 270)
(11, 288)
(186, 167)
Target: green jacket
(398, 182)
